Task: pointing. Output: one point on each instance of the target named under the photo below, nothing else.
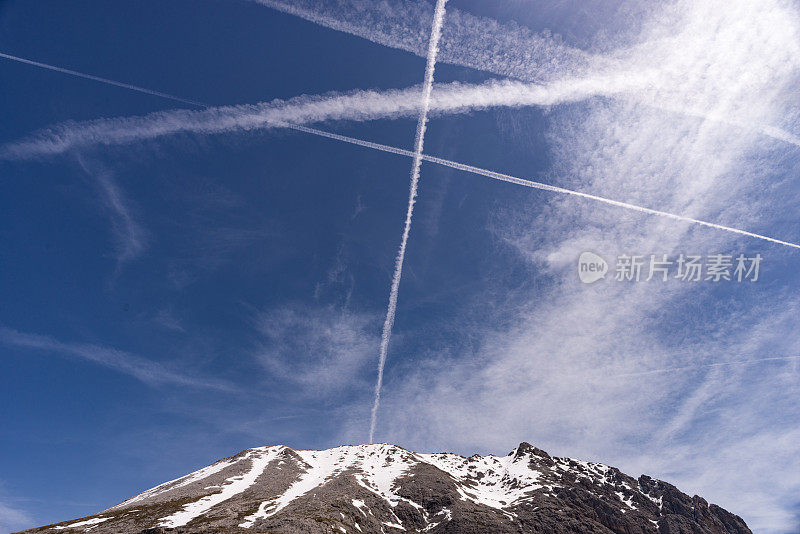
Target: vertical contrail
(419, 142)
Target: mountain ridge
(383, 488)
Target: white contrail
(419, 144)
(45, 146)
(479, 43)
(101, 80)
(555, 189)
(452, 98)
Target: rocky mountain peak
(383, 488)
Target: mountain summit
(385, 489)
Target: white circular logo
(591, 267)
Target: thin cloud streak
(419, 144)
(145, 371)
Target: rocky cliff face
(386, 489)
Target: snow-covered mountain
(387, 489)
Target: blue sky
(168, 300)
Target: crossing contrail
(419, 143)
(24, 150)
(101, 80)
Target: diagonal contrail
(101, 80)
(432, 159)
(506, 49)
(419, 143)
(530, 183)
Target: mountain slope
(386, 489)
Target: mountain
(388, 490)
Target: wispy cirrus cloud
(130, 237)
(323, 349)
(146, 371)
